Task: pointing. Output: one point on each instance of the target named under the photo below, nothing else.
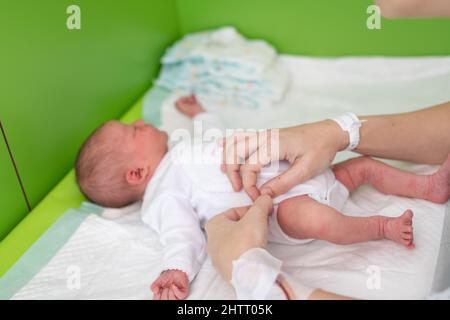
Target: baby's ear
(137, 175)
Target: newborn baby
(120, 164)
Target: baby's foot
(400, 229)
(439, 184)
(189, 106)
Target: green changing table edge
(64, 195)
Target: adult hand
(236, 231)
(310, 148)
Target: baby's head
(117, 161)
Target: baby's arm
(191, 107)
(180, 231)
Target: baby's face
(145, 142)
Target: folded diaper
(223, 68)
(225, 50)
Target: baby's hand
(171, 285)
(189, 106)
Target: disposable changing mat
(115, 256)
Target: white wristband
(349, 122)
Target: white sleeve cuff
(209, 123)
(204, 116)
(189, 268)
(257, 275)
(254, 274)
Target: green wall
(57, 84)
(314, 27)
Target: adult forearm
(414, 8)
(421, 136)
(319, 294)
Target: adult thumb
(261, 209)
(300, 171)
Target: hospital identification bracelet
(349, 122)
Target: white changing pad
(115, 257)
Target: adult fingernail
(267, 191)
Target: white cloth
(188, 189)
(255, 276)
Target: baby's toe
(407, 236)
(407, 229)
(411, 246)
(407, 243)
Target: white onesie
(185, 192)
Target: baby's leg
(304, 218)
(388, 180)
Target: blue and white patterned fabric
(224, 68)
